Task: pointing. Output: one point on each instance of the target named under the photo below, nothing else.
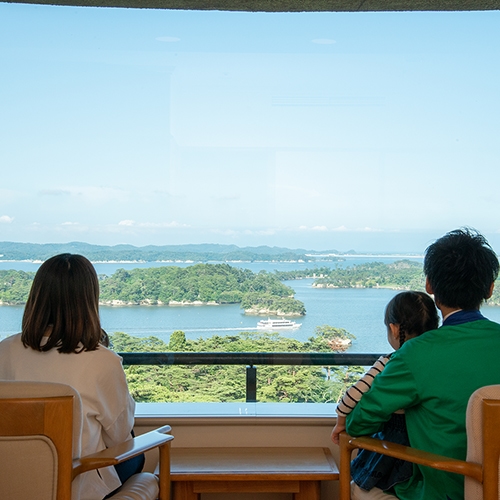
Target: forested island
(15, 287)
(166, 253)
(226, 383)
(257, 293)
(402, 274)
(399, 275)
(213, 284)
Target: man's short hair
(460, 268)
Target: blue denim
(370, 469)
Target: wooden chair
(483, 450)
(40, 428)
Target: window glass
(331, 133)
(371, 131)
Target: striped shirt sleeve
(355, 392)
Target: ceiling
(285, 5)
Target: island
(200, 284)
(163, 253)
(261, 293)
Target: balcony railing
(250, 359)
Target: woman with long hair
(62, 341)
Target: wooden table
(251, 470)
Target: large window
(365, 131)
(371, 132)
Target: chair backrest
(39, 437)
(482, 466)
(483, 441)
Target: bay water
(359, 311)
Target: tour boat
(277, 324)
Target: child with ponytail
(407, 315)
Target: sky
(374, 132)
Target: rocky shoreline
(173, 303)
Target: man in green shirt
(433, 376)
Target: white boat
(277, 324)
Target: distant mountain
(151, 253)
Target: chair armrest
(417, 456)
(123, 451)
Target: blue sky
(365, 131)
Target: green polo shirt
(432, 378)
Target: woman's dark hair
(64, 302)
(461, 267)
(414, 313)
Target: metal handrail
(250, 359)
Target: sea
(359, 311)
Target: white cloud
(261, 232)
(70, 224)
(324, 41)
(5, 219)
(126, 223)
